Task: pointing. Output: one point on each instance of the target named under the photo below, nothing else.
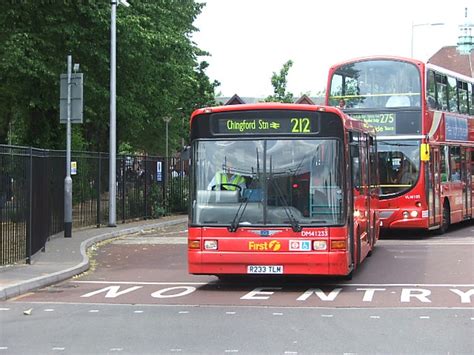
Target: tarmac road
(411, 296)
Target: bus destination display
(298, 123)
(384, 123)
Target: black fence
(32, 194)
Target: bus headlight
(210, 244)
(405, 214)
(414, 214)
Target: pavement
(64, 258)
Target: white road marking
(183, 312)
(291, 352)
(277, 314)
(153, 241)
(49, 310)
(3, 347)
(176, 350)
(137, 311)
(327, 315)
(424, 317)
(232, 351)
(116, 349)
(94, 311)
(335, 285)
(375, 317)
(4, 309)
(140, 283)
(428, 243)
(57, 348)
(230, 312)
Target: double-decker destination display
(424, 118)
(281, 189)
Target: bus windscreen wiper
(236, 221)
(238, 216)
(293, 221)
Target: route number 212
(300, 125)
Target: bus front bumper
(395, 219)
(237, 263)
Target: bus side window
(452, 95)
(441, 89)
(373, 183)
(444, 168)
(354, 150)
(431, 94)
(470, 94)
(472, 165)
(455, 163)
(463, 97)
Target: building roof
(448, 57)
(235, 100)
(305, 99)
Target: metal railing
(32, 194)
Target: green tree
(279, 83)
(158, 70)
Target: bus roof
(379, 57)
(348, 121)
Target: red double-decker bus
(424, 119)
(281, 189)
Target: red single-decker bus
(281, 189)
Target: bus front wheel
(446, 219)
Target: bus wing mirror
(425, 152)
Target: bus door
(358, 151)
(466, 184)
(434, 188)
(366, 235)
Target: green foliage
(157, 205)
(279, 83)
(158, 71)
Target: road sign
(77, 101)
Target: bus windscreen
(268, 182)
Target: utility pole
(70, 111)
(68, 180)
(113, 121)
(112, 133)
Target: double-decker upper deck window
(376, 84)
(442, 91)
(463, 97)
(470, 94)
(431, 87)
(452, 94)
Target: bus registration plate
(264, 269)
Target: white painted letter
(369, 293)
(420, 293)
(465, 296)
(112, 291)
(187, 291)
(323, 297)
(253, 295)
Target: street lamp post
(113, 128)
(413, 25)
(68, 179)
(167, 121)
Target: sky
(248, 40)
